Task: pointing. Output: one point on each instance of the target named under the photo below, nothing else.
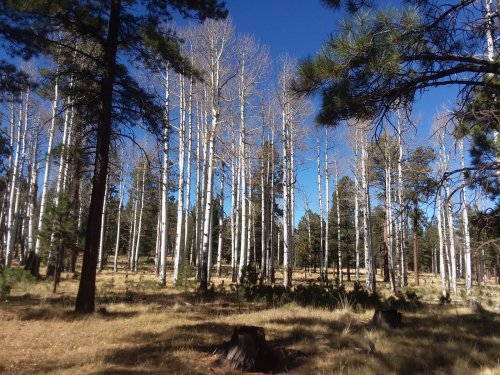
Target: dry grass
(148, 330)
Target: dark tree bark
(415, 242)
(85, 300)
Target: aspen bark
(180, 195)
(465, 219)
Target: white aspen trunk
(243, 234)
(164, 183)
(134, 225)
(451, 233)
(234, 211)
(286, 198)
(189, 161)
(442, 258)
(67, 148)
(356, 203)
(17, 210)
(9, 247)
(5, 200)
(204, 277)
(210, 249)
(221, 223)
(404, 273)
(321, 237)
(32, 192)
(291, 220)
(369, 269)
(271, 272)
(203, 189)
(327, 193)
(102, 232)
(339, 254)
(388, 214)
(309, 237)
(118, 220)
(62, 159)
(139, 225)
(45, 186)
(180, 196)
(465, 219)
(263, 214)
(199, 142)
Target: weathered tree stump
(248, 350)
(390, 318)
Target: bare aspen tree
(164, 180)
(401, 217)
(139, 224)
(103, 228)
(327, 194)
(121, 193)
(180, 195)
(221, 221)
(217, 36)
(321, 237)
(48, 155)
(465, 219)
(14, 186)
(442, 257)
(355, 146)
(369, 266)
(388, 211)
(339, 236)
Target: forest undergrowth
(141, 328)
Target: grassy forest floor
(144, 329)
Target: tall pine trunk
(85, 300)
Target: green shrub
(14, 277)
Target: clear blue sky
(299, 28)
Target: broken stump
(248, 350)
(390, 318)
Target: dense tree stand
(248, 350)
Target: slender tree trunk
(327, 193)
(442, 258)
(45, 185)
(369, 266)
(85, 300)
(11, 229)
(401, 219)
(356, 203)
(388, 213)
(451, 233)
(180, 196)
(139, 225)
(102, 231)
(164, 182)
(339, 237)
(416, 254)
(321, 237)
(465, 219)
(118, 220)
(221, 223)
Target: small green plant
(14, 277)
(186, 272)
(240, 295)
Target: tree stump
(390, 318)
(248, 350)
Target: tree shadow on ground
(166, 351)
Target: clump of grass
(13, 277)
